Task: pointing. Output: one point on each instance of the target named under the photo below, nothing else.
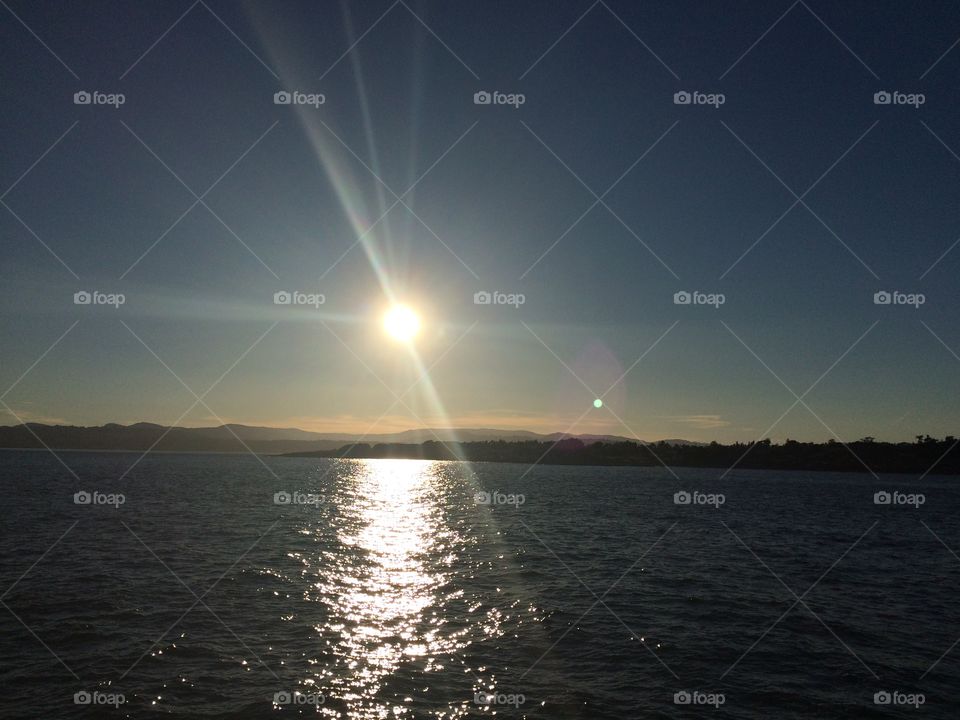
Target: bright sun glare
(401, 323)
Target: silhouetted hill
(927, 454)
(142, 436)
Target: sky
(782, 198)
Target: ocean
(231, 586)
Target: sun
(401, 323)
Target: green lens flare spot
(598, 403)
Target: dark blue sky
(293, 188)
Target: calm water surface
(416, 589)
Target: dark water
(397, 595)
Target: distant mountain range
(243, 438)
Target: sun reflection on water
(387, 626)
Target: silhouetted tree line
(926, 454)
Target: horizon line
(433, 429)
